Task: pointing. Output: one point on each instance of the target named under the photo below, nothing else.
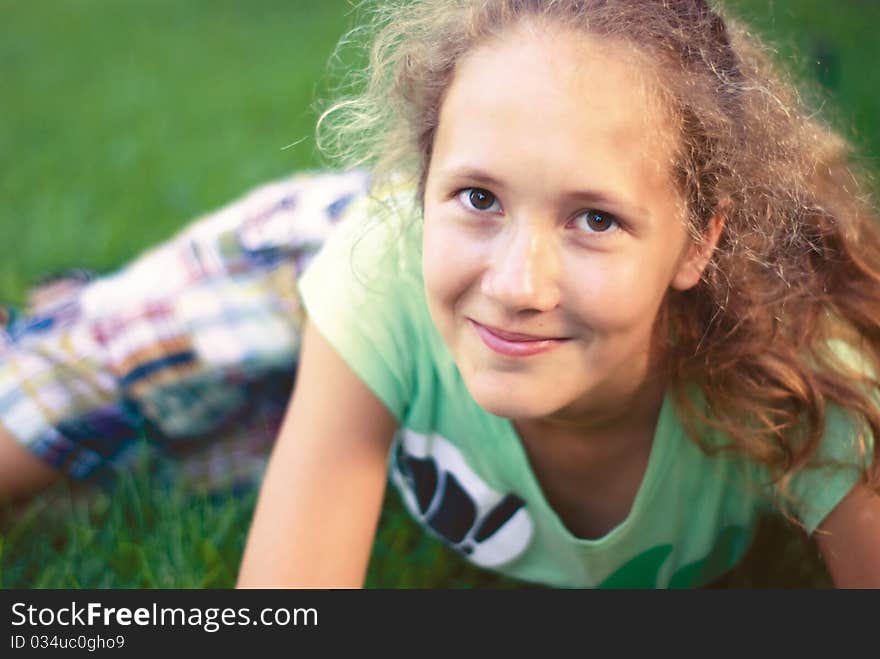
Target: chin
(508, 403)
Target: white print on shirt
(444, 493)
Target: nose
(523, 272)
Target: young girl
(612, 295)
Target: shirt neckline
(658, 460)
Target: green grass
(145, 531)
(122, 120)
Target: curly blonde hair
(798, 263)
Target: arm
(849, 539)
(320, 500)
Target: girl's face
(552, 227)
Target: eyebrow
(589, 197)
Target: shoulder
(374, 250)
(363, 292)
(849, 535)
(824, 491)
(849, 538)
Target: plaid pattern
(193, 345)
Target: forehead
(562, 101)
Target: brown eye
(597, 221)
(480, 199)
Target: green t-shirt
(463, 472)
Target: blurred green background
(121, 120)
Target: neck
(632, 417)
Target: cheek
(449, 264)
(616, 292)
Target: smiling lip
(512, 344)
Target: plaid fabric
(192, 345)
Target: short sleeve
(842, 457)
(817, 490)
(361, 291)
